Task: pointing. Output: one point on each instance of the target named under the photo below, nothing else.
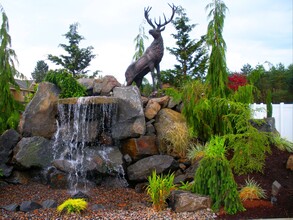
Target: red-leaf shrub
(235, 80)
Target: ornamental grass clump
(159, 189)
(196, 152)
(251, 191)
(214, 178)
(73, 206)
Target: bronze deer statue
(152, 57)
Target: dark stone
(49, 204)
(8, 141)
(6, 170)
(80, 195)
(12, 207)
(27, 206)
(97, 207)
(143, 168)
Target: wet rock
(6, 170)
(139, 148)
(184, 201)
(130, 116)
(50, 203)
(80, 195)
(143, 168)
(27, 206)
(58, 179)
(39, 117)
(33, 152)
(18, 177)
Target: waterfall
(81, 125)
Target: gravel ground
(104, 203)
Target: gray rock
(143, 168)
(105, 85)
(39, 117)
(27, 206)
(130, 119)
(6, 170)
(50, 203)
(11, 207)
(33, 152)
(184, 201)
(8, 141)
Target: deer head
(156, 31)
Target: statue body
(152, 57)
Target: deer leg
(159, 85)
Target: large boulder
(33, 152)
(139, 148)
(39, 117)
(105, 85)
(184, 201)
(130, 119)
(143, 168)
(172, 132)
(8, 141)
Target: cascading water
(81, 125)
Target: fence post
(281, 115)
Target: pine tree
(78, 59)
(40, 71)
(190, 54)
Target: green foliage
(196, 152)
(139, 42)
(244, 94)
(251, 190)
(217, 76)
(9, 108)
(174, 93)
(269, 104)
(214, 178)
(187, 186)
(191, 55)
(281, 143)
(73, 206)
(65, 81)
(1, 173)
(40, 71)
(78, 59)
(159, 189)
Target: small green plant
(73, 206)
(196, 152)
(187, 186)
(159, 189)
(251, 190)
(65, 81)
(214, 177)
(282, 143)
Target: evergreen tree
(217, 72)
(190, 54)
(78, 59)
(40, 71)
(9, 108)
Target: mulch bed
(125, 203)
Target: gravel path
(104, 203)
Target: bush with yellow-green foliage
(159, 189)
(196, 152)
(251, 190)
(73, 206)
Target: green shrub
(269, 104)
(186, 186)
(196, 152)
(73, 206)
(281, 143)
(159, 189)
(214, 178)
(65, 81)
(251, 190)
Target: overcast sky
(255, 31)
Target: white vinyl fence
(283, 114)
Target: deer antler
(160, 26)
(146, 15)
